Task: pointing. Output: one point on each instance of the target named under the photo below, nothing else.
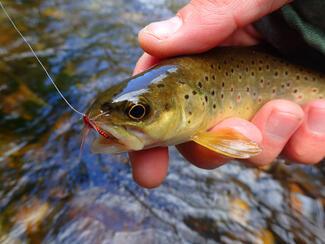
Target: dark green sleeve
(297, 31)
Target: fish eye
(137, 111)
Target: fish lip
(130, 142)
(92, 125)
(106, 138)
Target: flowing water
(49, 194)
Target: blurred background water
(48, 194)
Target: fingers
(307, 145)
(201, 25)
(207, 159)
(149, 167)
(145, 62)
(277, 120)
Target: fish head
(134, 114)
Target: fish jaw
(121, 140)
(107, 146)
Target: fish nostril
(106, 107)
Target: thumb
(202, 24)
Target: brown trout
(181, 98)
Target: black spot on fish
(232, 70)
(253, 62)
(160, 85)
(259, 68)
(206, 78)
(247, 89)
(286, 72)
(260, 61)
(213, 77)
(253, 74)
(226, 73)
(240, 77)
(213, 92)
(225, 62)
(190, 113)
(214, 106)
(200, 85)
(167, 106)
(186, 96)
(189, 121)
(288, 84)
(295, 90)
(222, 96)
(306, 78)
(212, 66)
(206, 98)
(297, 77)
(223, 84)
(267, 66)
(273, 90)
(194, 92)
(237, 66)
(276, 73)
(219, 67)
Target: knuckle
(304, 153)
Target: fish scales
(186, 95)
(238, 81)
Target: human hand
(279, 125)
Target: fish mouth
(115, 139)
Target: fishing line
(38, 60)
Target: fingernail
(281, 125)
(164, 29)
(316, 120)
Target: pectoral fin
(228, 142)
